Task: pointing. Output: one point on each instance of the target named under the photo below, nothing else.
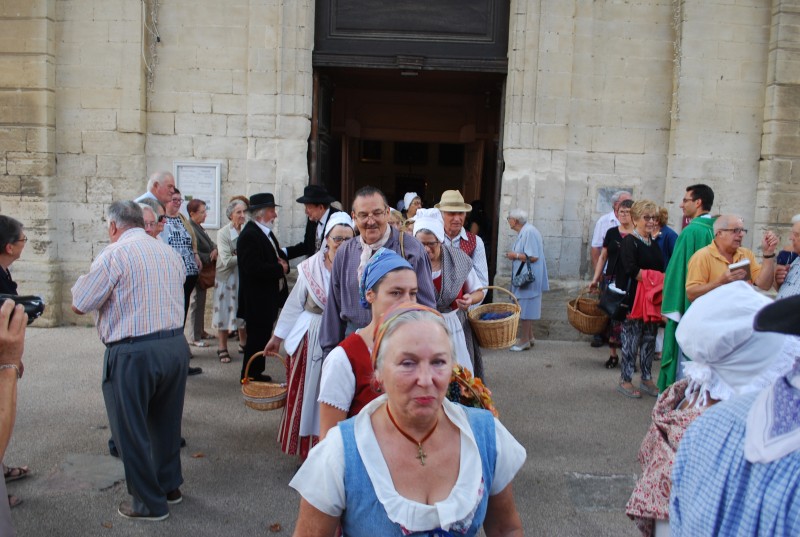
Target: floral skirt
(226, 302)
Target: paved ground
(557, 399)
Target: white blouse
(338, 383)
(320, 481)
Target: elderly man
(787, 277)
(146, 358)
(318, 209)
(160, 187)
(606, 222)
(454, 212)
(737, 470)
(696, 205)
(344, 313)
(262, 280)
(709, 267)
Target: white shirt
(320, 481)
(338, 383)
(604, 223)
(478, 256)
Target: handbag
(523, 279)
(614, 303)
(207, 276)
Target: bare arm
(502, 518)
(598, 267)
(329, 417)
(767, 274)
(697, 290)
(311, 522)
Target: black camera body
(34, 305)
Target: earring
(376, 385)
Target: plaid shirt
(135, 286)
(716, 491)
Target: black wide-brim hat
(316, 194)
(781, 316)
(259, 201)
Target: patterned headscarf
(380, 264)
(389, 319)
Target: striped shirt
(135, 287)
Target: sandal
(206, 335)
(241, 349)
(612, 362)
(12, 473)
(199, 344)
(633, 393)
(224, 357)
(13, 501)
(649, 389)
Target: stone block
(200, 80)
(193, 124)
(201, 103)
(9, 184)
(37, 187)
(219, 147)
(113, 143)
(24, 36)
(13, 139)
(76, 165)
(26, 164)
(122, 31)
(261, 125)
(229, 104)
(23, 9)
(131, 121)
(590, 163)
(259, 171)
(160, 123)
(169, 146)
(80, 119)
(25, 71)
(293, 127)
(79, 76)
(82, 30)
(131, 168)
(237, 126)
(618, 140)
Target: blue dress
(716, 491)
(529, 241)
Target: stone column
(779, 172)
(28, 143)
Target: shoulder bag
(523, 278)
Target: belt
(147, 337)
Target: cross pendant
(421, 455)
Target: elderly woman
(396, 219)
(528, 248)
(207, 251)
(606, 269)
(642, 266)
(457, 287)
(347, 372)
(728, 359)
(178, 235)
(411, 203)
(298, 329)
(226, 286)
(412, 462)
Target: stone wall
(651, 95)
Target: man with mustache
(344, 313)
(708, 268)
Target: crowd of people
(377, 320)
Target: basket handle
(504, 290)
(256, 355)
(586, 291)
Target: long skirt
(226, 301)
(289, 431)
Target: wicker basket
(263, 395)
(585, 316)
(498, 334)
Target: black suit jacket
(309, 245)
(260, 274)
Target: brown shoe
(126, 510)
(174, 496)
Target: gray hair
(232, 207)
(519, 215)
(126, 214)
(796, 219)
(258, 213)
(153, 204)
(146, 207)
(617, 195)
(724, 222)
(410, 317)
(10, 231)
(157, 177)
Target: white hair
(519, 215)
(724, 221)
(796, 219)
(156, 177)
(617, 195)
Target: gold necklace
(420, 452)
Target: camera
(34, 305)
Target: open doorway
(409, 131)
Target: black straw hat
(316, 194)
(259, 201)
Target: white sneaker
(520, 348)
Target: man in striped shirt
(135, 288)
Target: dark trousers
(143, 387)
(259, 330)
(188, 286)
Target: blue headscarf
(381, 263)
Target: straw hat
(453, 202)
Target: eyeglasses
(161, 218)
(416, 202)
(149, 225)
(736, 230)
(624, 211)
(178, 200)
(23, 239)
(648, 217)
(687, 200)
(429, 244)
(376, 215)
(338, 240)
